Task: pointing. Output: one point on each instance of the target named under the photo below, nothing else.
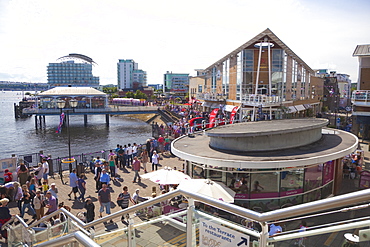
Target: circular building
(270, 164)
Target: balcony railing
(212, 96)
(260, 99)
(359, 96)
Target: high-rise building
(73, 69)
(176, 83)
(129, 76)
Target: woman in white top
(155, 160)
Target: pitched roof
(362, 50)
(258, 38)
(75, 91)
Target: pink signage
(328, 172)
(291, 192)
(365, 180)
(264, 195)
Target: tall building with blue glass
(74, 70)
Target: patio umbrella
(166, 176)
(209, 188)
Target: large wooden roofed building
(265, 77)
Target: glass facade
(264, 190)
(71, 73)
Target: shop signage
(215, 235)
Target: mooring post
(107, 119)
(85, 120)
(35, 121)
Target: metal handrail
(302, 209)
(71, 237)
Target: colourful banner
(212, 117)
(233, 113)
(59, 129)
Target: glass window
(312, 196)
(240, 183)
(291, 182)
(215, 175)
(264, 185)
(327, 190)
(198, 172)
(290, 201)
(313, 177)
(264, 205)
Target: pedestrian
(104, 197)
(22, 173)
(129, 155)
(120, 157)
(45, 166)
(275, 229)
(136, 168)
(135, 197)
(8, 176)
(97, 176)
(39, 172)
(5, 216)
(82, 187)
(90, 210)
(104, 177)
(155, 160)
(39, 204)
(73, 183)
(45, 187)
(134, 150)
(54, 191)
(27, 199)
(51, 203)
(123, 201)
(144, 159)
(112, 166)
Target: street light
(73, 104)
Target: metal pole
(189, 223)
(257, 78)
(69, 143)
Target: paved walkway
(125, 179)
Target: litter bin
(80, 169)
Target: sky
(173, 35)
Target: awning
(292, 109)
(229, 108)
(300, 107)
(307, 106)
(216, 105)
(207, 104)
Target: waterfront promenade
(125, 179)
(172, 236)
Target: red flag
(212, 117)
(233, 113)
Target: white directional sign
(215, 235)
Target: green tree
(130, 95)
(140, 95)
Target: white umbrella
(209, 188)
(166, 176)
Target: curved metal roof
(79, 56)
(73, 91)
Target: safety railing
(193, 220)
(259, 99)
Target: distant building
(129, 76)
(361, 97)
(337, 89)
(176, 83)
(265, 78)
(196, 85)
(156, 86)
(73, 69)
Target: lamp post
(72, 104)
